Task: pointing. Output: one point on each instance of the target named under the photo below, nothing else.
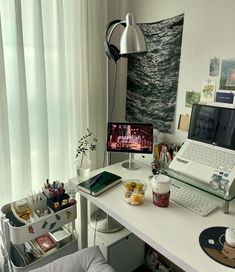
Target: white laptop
(208, 155)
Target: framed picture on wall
(214, 67)
(227, 75)
(208, 91)
(191, 98)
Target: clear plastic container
(133, 191)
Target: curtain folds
(52, 87)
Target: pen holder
(37, 201)
(57, 204)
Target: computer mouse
(230, 236)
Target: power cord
(112, 108)
(114, 93)
(96, 220)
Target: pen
(95, 180)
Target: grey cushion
(86, 260)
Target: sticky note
(183, 122)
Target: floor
(142, 268)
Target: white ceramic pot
(84, 170)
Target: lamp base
(130, 164)
(102, 222)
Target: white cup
(230, 236)
(161, 184)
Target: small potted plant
(85, 143)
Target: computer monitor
(213, 125)
(130, 138)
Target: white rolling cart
(18, 235)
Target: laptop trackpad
(199, 170)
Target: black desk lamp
(132, 42)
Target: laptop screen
(213, 125)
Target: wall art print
(152, 77)
(214, 66)
(191, 98)
(227, 75)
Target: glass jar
(133, 191)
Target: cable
(105, 152)
(112, 108)
(114, 93)
(96, 220)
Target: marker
(95, 180)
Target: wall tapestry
(152, 78)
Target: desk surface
(173, 231)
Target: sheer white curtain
(52, 87)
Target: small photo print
(208, 91)
(227, 75)
(214, 66)
(231, 78)
(191, 98)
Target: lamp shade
(132, 39)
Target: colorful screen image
(130, 137)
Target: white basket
(30, 231)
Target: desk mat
(212, 241)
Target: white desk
(173, 231)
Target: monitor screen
(213, 125)
(130, 137)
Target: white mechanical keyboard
(191, 200)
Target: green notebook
(99, 183)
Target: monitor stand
(131, 165)
(102, 222)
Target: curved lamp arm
(110, 28)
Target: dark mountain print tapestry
(152, 78)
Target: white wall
(208, 31)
